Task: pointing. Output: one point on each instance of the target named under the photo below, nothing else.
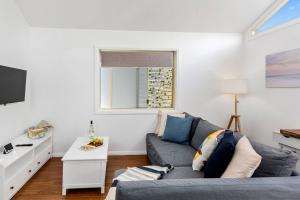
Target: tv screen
(12, 85)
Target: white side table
(85, 169)
(289, 143)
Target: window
(282, 14)
(136, 80)
(288, 12)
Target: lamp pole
(235, 118)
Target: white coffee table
(84, 169)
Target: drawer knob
(39, 163)
(29, 171)
(12, 187)
(49, 153)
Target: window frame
(97, 82)
(268, 14)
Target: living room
(63, 45)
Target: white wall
(267, 109)
(63, 80)
(14, 38)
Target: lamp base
(237, 123)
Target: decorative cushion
(206, 149)
(203, 129)
(275, 162)
(177, 129)
(194, 124)
(163, 120)
(221, 157)
(244, 161)
(158, 122)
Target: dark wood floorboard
(46, 184)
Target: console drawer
(13, 185)
(43, 157)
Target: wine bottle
(91, 130)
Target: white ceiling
(145, 15)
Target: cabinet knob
(49, 153)
(12, 187)
(39, 163)
(29, 171)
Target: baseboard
(126, 153)
(111, 153)
(58, 154)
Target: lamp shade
(234, 86)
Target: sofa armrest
(207, 189)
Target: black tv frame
(25, 82)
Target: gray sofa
(275, 178)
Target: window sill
(130, 111)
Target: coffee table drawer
(81, 174)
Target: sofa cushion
(183, 173)
(244, 161)
(206, 149)
(221, 157)
(177, 129)
(203, 129)
(194, 124)
(275, 162)
(161, 152)
(163, 120)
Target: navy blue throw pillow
(221, 157)
(177, 129)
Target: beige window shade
(137, 58)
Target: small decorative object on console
(39, 130)
(8, 148)
(24, 145)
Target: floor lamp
(235, 87)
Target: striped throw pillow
(206, 149)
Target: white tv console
(17, 167)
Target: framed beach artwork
(283, 69)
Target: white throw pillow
(244, 161)
(163, 120)
(158, 122)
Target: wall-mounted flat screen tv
(12, 85)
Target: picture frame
(283, 69)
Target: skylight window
(288, 12)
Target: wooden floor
(46, 184)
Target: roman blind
(137, 58)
